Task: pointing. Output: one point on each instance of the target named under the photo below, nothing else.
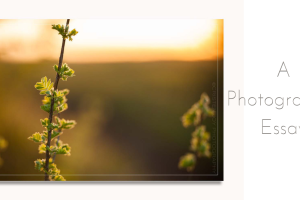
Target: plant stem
(59, 130)
(52, 103)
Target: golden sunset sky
(113, 40)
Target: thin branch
(59, 130)
(52, 103)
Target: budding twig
(52, 103)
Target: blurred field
(128, 116)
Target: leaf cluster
(53, 172)
(200, 141)
(188, 161)
(56, 129)
(198, 111)
(45, 87)
(59, 100)
(64, 31)
(58, 148)
(64, 72)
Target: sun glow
(18, 28)
(143, 33)
(113, 40)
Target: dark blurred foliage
(127, 114)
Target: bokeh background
(134, 79)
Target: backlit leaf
(44, 86)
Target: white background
(272, 35)
(232, 13)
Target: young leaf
(39, 164)
(44, 86)
(64, 32)
(187, 161)
(65, 149)
(60, 148)
(72, 33)
(37, 137)
(55, 134)
(60, 29)
(65, 124)
(46, 107)
(203, 149)
(188, 118)
(201, 133)
(46, 100)
(42, 148)
(65, 71)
